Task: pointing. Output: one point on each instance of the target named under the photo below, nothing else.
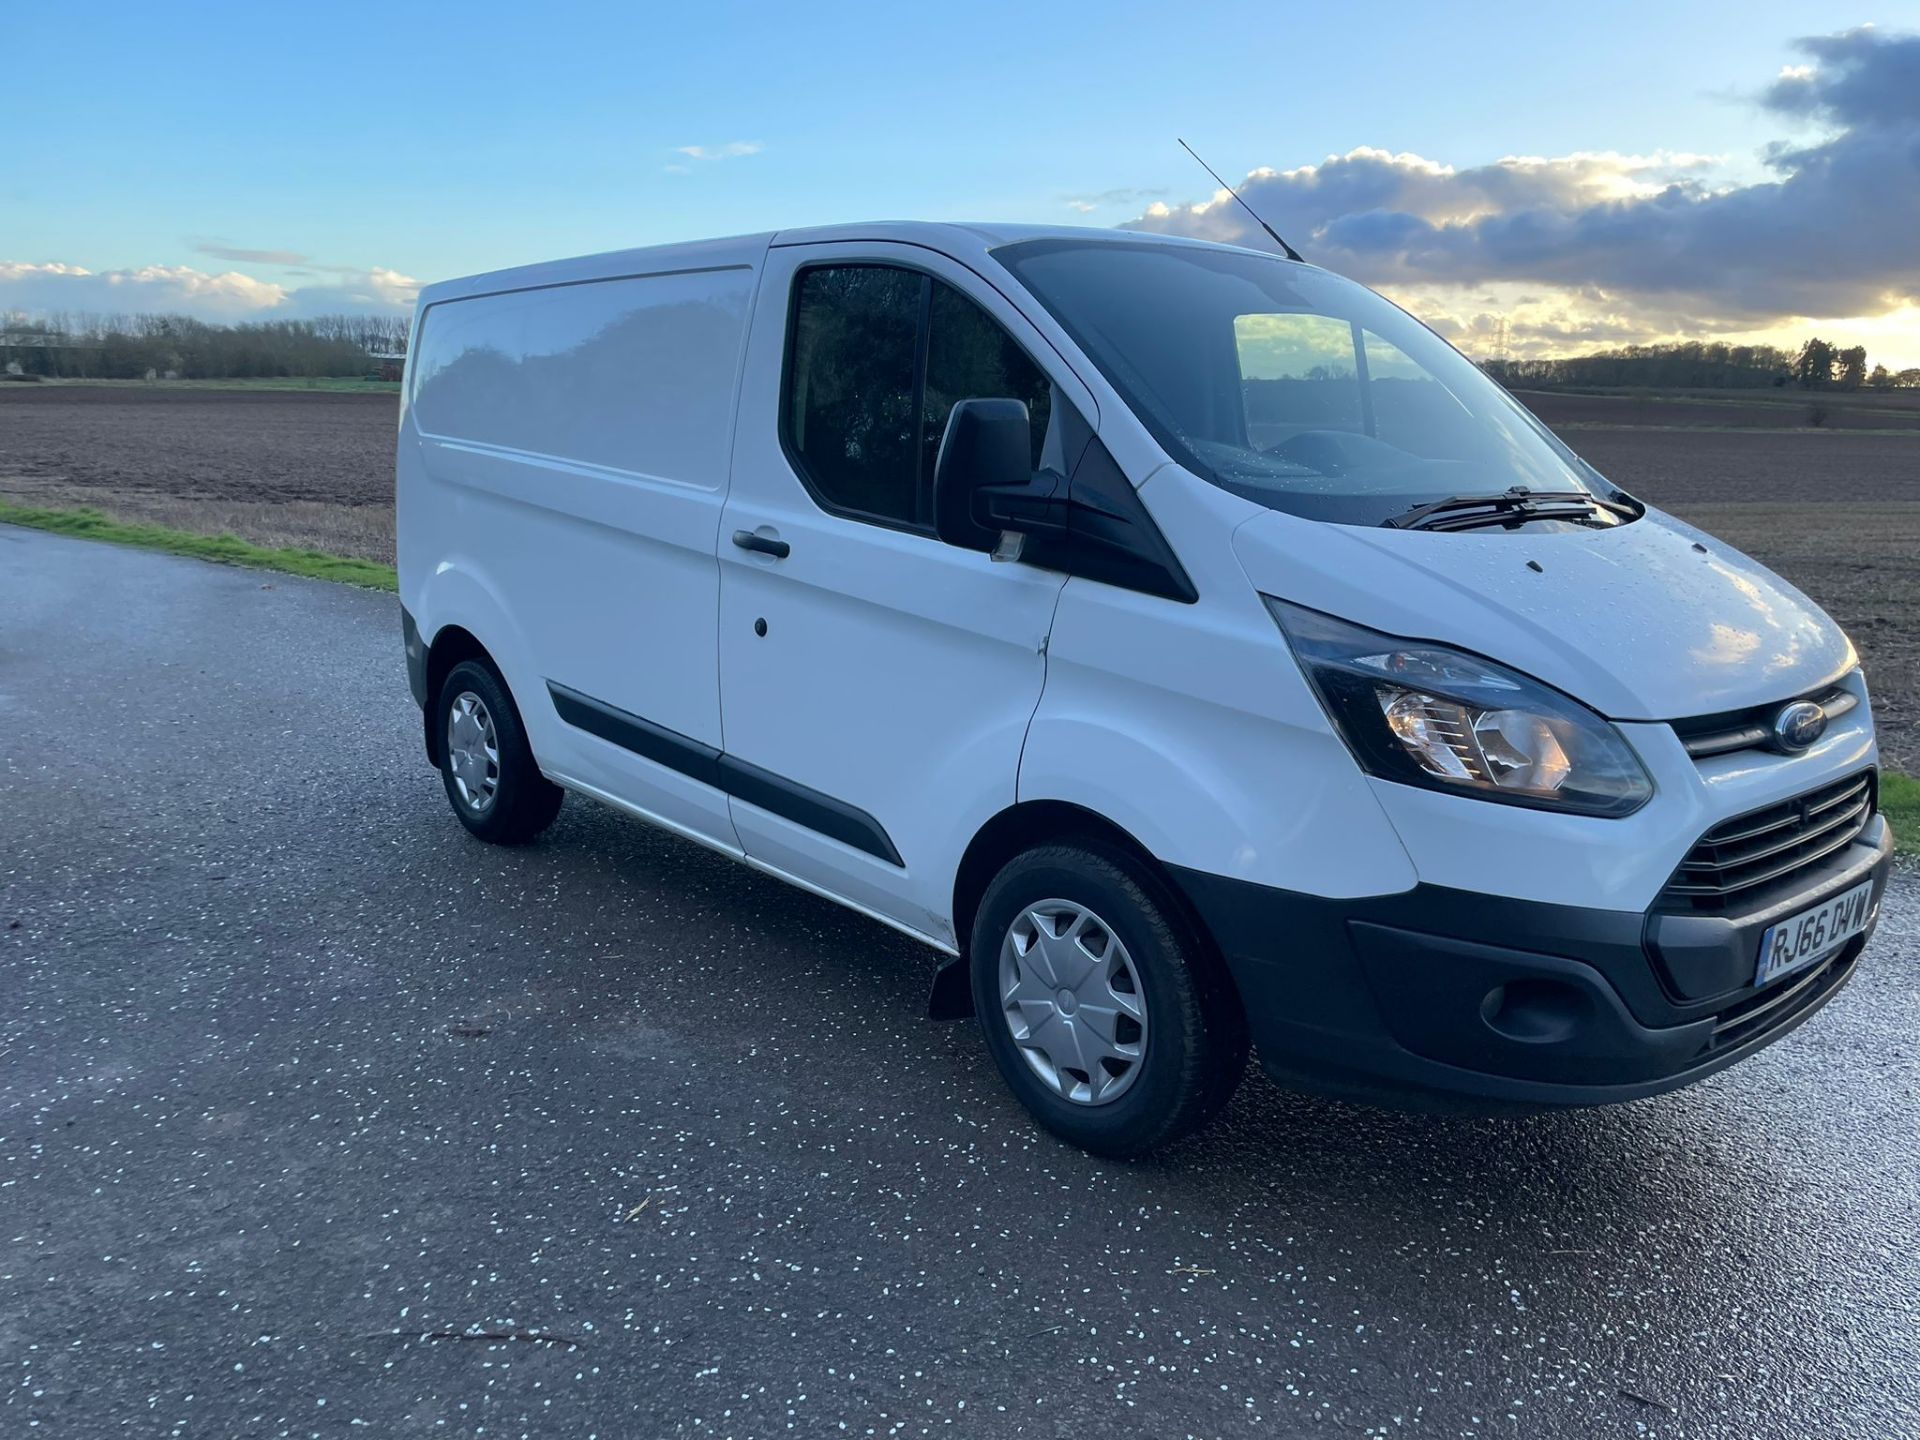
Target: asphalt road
(299, 1085)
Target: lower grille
(1775, 1006)
(1734, 861)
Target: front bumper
(1439, 995)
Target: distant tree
(1907, 379)
(1814, 368)
(1680, 365)
(128, 346)
(1850, 367)
(1880, 379)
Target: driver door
(875, 684)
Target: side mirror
(983, 480)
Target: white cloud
(178, 289)
(151, 288)
(377, 291)
(732, 150)
(1628, 247)
(1126, 195)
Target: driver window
(969, 356)
(1297, 373)
(877, 358)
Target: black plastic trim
(630, 732)
(819, 812)
(1704, 881)
(762, 544)
(416, 657)
(1706, 954)
(1092, 524)
(1110, 535)
(746, 783)
(1751, 728)
(1443, 998)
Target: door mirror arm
(1029, 519)
(984, 485)
(987, 496)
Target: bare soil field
(1835, 509)
(277, 467)
(1731, 409)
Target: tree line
(1702, 364)
(134, 347)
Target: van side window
(970, 357)
(849, 403)
(877, 359)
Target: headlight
(1428, 715)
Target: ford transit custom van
(1186, 642)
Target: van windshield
(1290, 386)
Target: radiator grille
(1751, 729)
(1735, 859)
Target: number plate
(1813, 934)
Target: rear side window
(635, 374)
(877, 358)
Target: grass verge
(1900, 803)
(225, 549)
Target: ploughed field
(1833, 506)
(278, 467)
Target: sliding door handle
(763, 544)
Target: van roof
(965, 234)
(962, 241)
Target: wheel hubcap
(473, 751)
(1073, 1002)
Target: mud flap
(952, 996)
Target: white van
(1187, 642)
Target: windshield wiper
(1514, 506)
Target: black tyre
(1107, 1015)
(492, 781)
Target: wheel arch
(1021, 827)
(453, 644)
(461, 614)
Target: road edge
(85, 523)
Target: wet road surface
(318, 1117)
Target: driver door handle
(764, 544)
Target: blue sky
(203, 146)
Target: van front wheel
(1106, 1015)
(492, 780)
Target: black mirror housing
(1090, 523)
(985, 457)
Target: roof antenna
(1291, 253)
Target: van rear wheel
(492, 780)
(1112, 1022)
